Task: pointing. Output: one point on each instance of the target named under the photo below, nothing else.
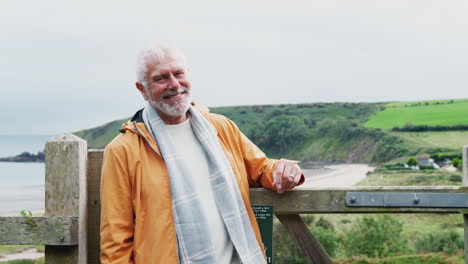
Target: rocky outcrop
(25, 157)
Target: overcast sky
(69, 65)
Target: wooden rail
(70, 227)
(332, 200)
(54, 231)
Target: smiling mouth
(174, 96)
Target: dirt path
(30, 253)
(336, 175)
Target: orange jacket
(137, 225)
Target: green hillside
(100, 136)
(431, 113)
(249, 118)
(333, 132)
(320, 131)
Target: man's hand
(286, 176)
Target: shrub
(456, 162)
(284, 246)
(282, 132)
(325, 224)
(455, 178)
(345, 221)
(412, 162)
(327, 238)
(439, 157)
(408, 127)
(375, 237)
(447, 241)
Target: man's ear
(142, 90)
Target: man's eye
(179, 74)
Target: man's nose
(173, 82)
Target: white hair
(154, 53)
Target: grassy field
(445, 139)
(414, 224)
(412, 178)
(432, 113)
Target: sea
(21, 184)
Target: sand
(29, 253)
(340, 175)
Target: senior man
(175, 181)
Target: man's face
(167, 87)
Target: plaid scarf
(193, 244)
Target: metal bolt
(416, 200)
(353, 199)
(61, 238)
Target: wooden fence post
(465, 183)
(94, 204)
(66, 193)
(305, 240)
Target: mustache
(171, 92)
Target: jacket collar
(138, 116)
(136, 125)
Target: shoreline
(337, 175)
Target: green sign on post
(264, 216)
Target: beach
(21, 187)
(14, 199)
(338, 175)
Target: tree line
(409, 127)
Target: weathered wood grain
(57, 231)
(65, 193)
(305, 240)
(465, 183)
(94, 205)
(332, 200)
(465, 166)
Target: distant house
(425, 160)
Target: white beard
(176, 108)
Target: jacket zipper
(146, 140)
